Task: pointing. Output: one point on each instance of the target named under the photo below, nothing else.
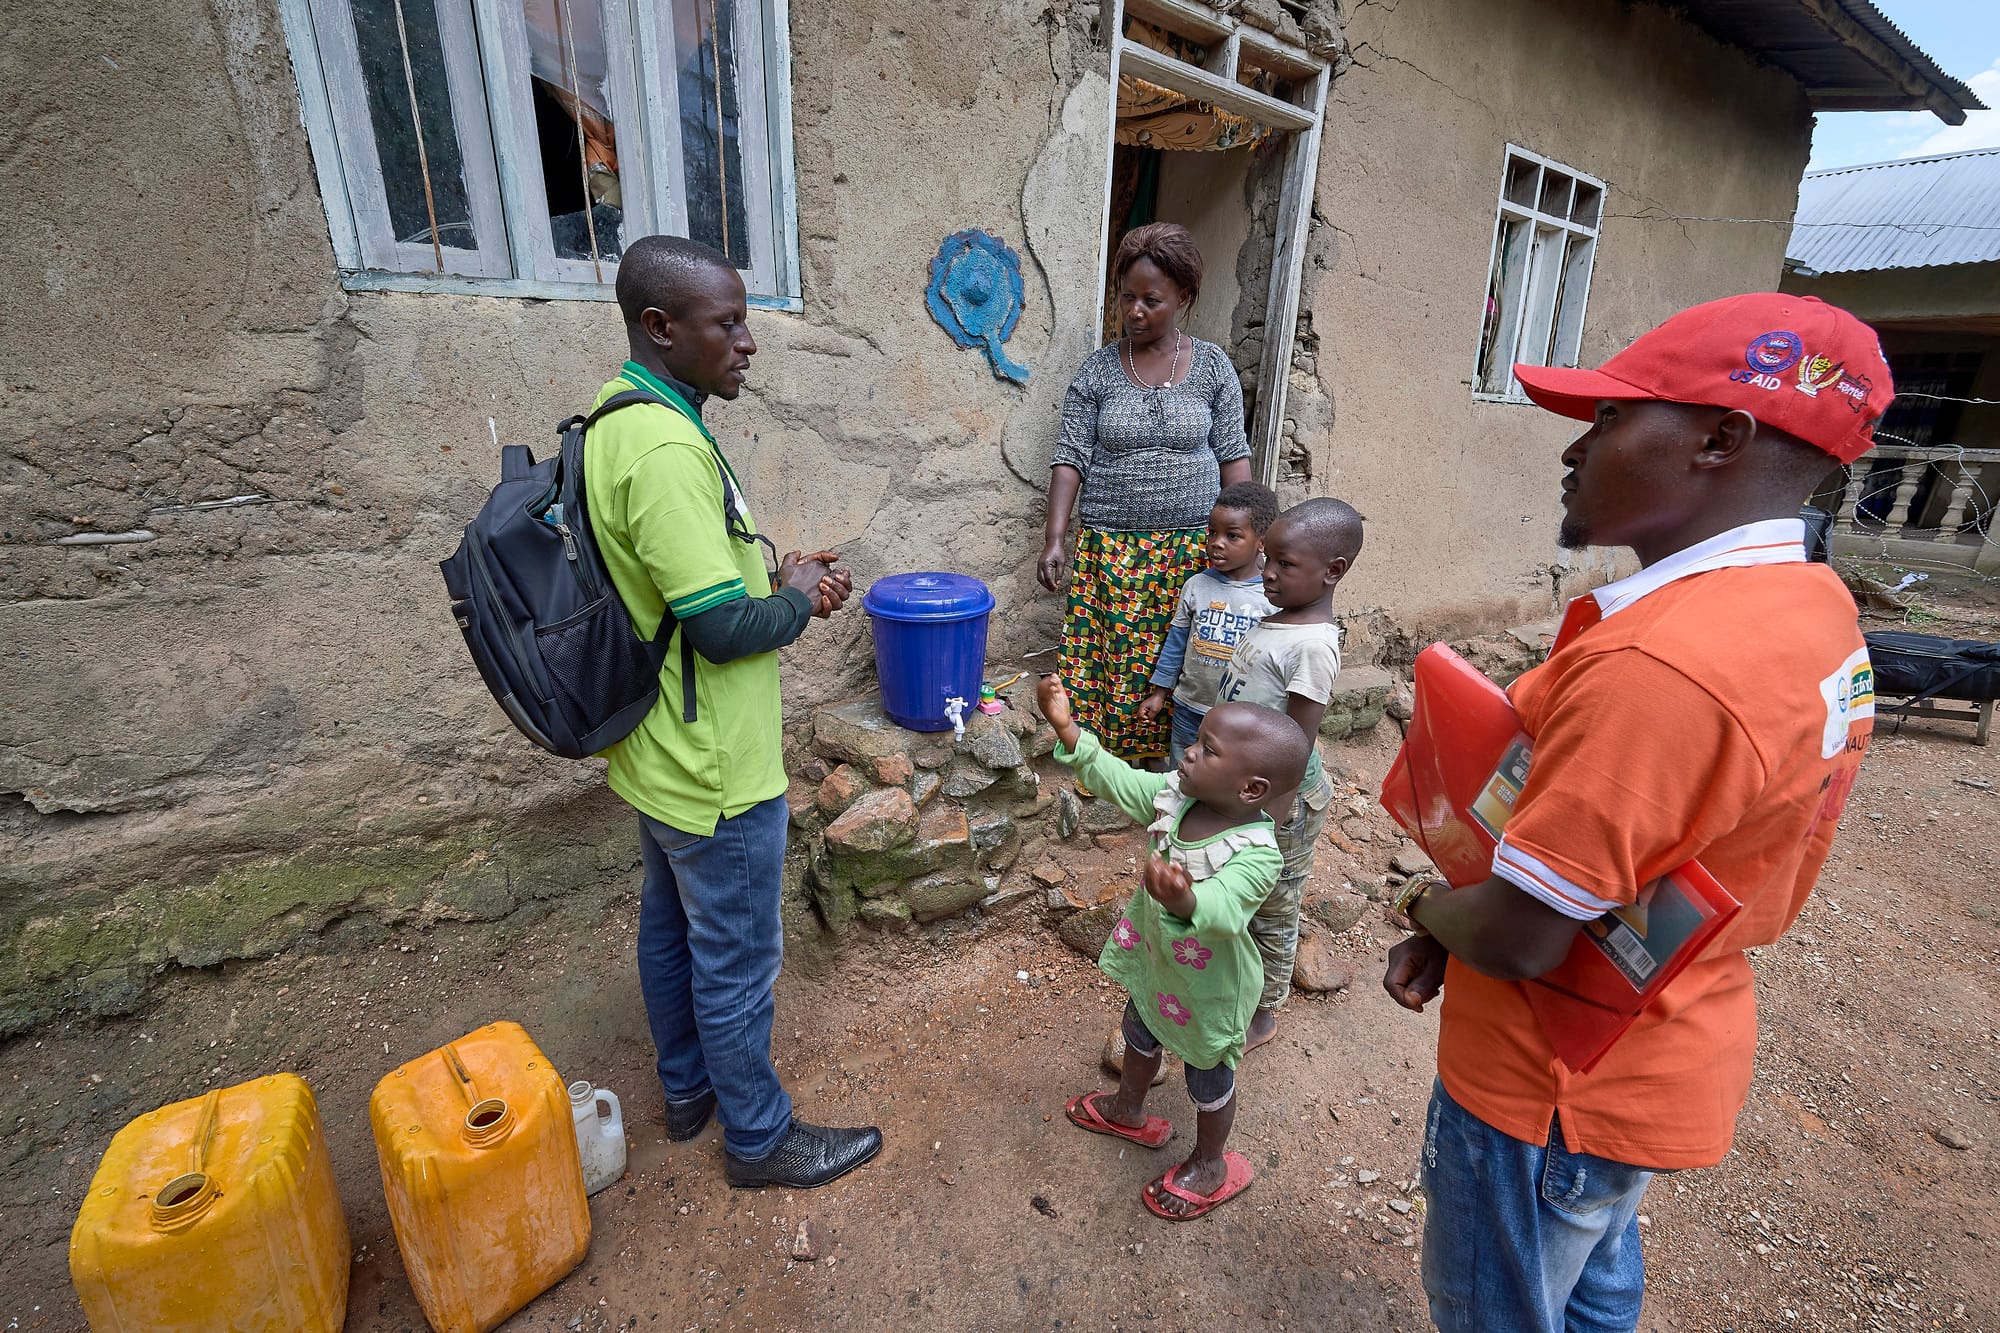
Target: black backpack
(544, 622)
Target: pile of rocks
(906, 826)
(1360, 696)
(894, 827)
(1504, 656)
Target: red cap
(1808, 368)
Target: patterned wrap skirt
(1122, 591)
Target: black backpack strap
(626, 398)
(687, 679)
(1964, 673)
(515, 460)
(580, 424)
(668, 622)
(583, 422)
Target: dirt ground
(1862, 1191)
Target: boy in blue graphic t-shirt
(1216, 609)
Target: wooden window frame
(486, 63)
(1542, 311)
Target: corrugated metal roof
(1844, 53)
(1921, 212)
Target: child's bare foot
(1115, 1107)
(1093, 1111)
(1214, 1180)
(1263, 1027)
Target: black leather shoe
(809, 1155)
(690, 1118)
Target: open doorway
(1216, 126)
(1210, 194)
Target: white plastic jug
(600, 1134)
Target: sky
(1963, 37)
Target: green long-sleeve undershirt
(747, 626)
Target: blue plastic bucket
(930, 644)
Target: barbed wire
(1977, 513)
(1948, 398)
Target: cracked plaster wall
(262, 719)
(1461, 496)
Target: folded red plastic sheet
(1463, 764)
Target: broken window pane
(1569, 301)
(1539, 312)
(416, 139)
(1502, 323)
(711, 154)
(1523, 181)
(1540, 278)
(570, 77)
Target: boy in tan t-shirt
(1289, 662)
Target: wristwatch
(1406, 902)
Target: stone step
(1359, 696)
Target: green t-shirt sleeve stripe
(708, 598)
(671, 506)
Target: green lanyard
(641, 378)
(646, 382)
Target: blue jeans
(710, 940)
(1186, 726)
(1526, 1238)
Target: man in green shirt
(675, 532)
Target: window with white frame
(1544, 243)
(518, 145)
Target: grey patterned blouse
(1151, 459)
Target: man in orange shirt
(1715, 707)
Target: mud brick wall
(236, 712)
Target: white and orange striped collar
(1771, 541)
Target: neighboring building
(283, 273)
(1913, 247)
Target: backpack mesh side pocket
(601, 669)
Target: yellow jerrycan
(218, 1214)
(481, 1170)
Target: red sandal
(1083, 1113)
(1239, 1178)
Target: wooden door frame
(1301, 119)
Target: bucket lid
(928, 596)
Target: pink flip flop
(1239, 1178)
(1083, 1113)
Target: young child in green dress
(1182, 950)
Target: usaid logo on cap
(1775, 352)
(1768, 356)
(1815, 369)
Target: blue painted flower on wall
(975, 293)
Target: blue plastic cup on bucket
(930, 645)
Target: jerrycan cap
(182, 1200)
(488, 1121)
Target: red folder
(1453, 786)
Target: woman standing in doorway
(1152, 430)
